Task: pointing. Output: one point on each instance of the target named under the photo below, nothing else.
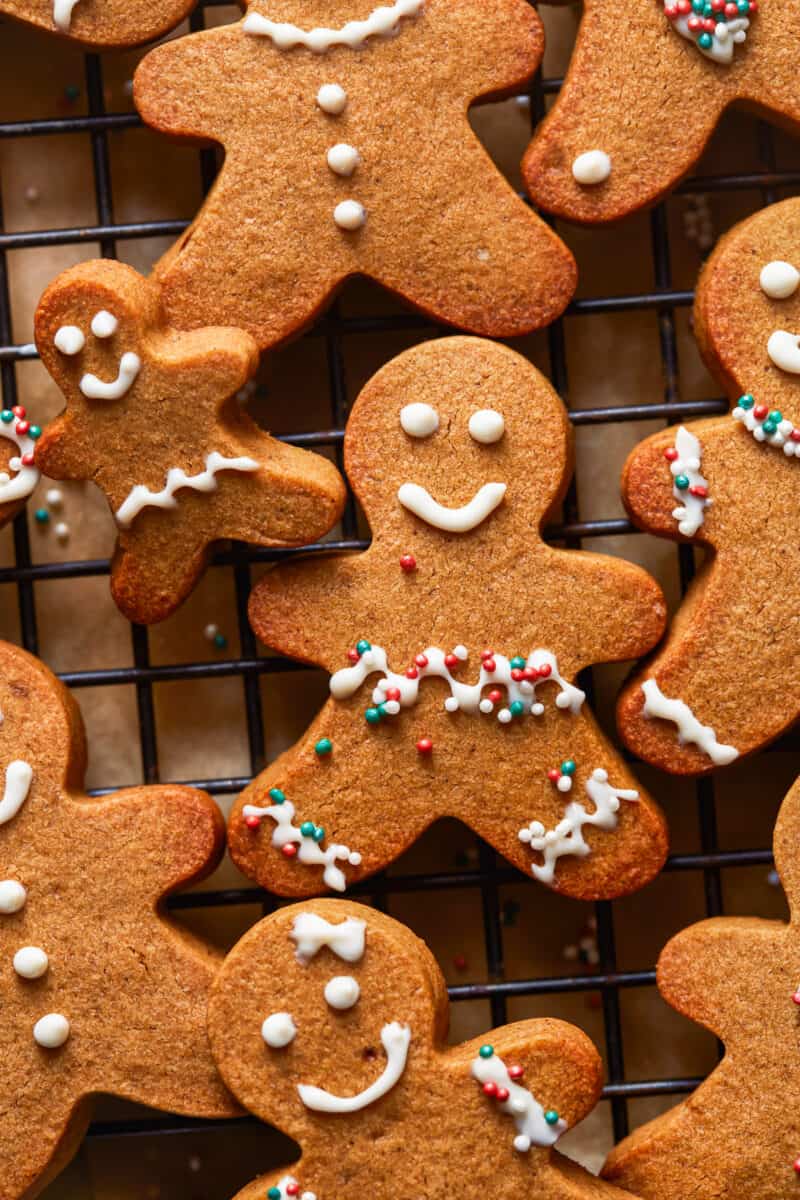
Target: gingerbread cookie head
(328, 1021)
(587, 162)
(737, 1135)
(99, 992)
(153, 419)
(683, 710)
(351, 154)
(101, 23)
(453, 644)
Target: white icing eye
(486, 426)
(779, 280)
(784, 350)
(69, 340)
(279, 1030)
(104, 324)
(419, 420)
(342, 992)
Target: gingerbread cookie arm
(115, 24)
(503, 44)
(195, 110)
(304, 609)
(149, 581)
(605, 83)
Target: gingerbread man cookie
(675, 64)
(453, 644)
(737, 1135)
(101, 23)
(348, 152)
(328, 1021)
(684, 710)
(99, 993)
(152, 418)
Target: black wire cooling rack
(487, 877)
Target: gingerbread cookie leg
(590, 161)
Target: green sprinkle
(682, 482)
(516, 708)
(568, 766)
(776, 415)
(42, 516)
(769, 427)
(35, 431)
(319, 834)
(274, 1193)
(323, 747)
(518, 662)
(551, 1116)
(277, 796)
(746, 401)
(307, 829)
(373, 716)
(72, 91)
(486, 1051)
(705, 40)
(6, 416)
(220, 641)
(363, 646)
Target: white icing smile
(382, 22)
(96, 389)
(784, 350)
(396, 1039)
(421, 503)
(18, 781)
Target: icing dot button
(350, 215)
(343, 159)
(51, 1031)
(279, 1030)
(31, 963)
(779, 280)
(342, 992)
(591, 168)
(12, 896)
(332, 99)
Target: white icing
(466, 697)
(141, 496)
(784, 350)
(96, 389)
(421, 503)
(780, 438)
(347, 939)
(382, 22)
(54, 497)
(522, 1105)
(26, 477)
(104, 324)
(486, 426)
(342, 992)
(779, 280)
(723, 40)
(567, 837)
(332, 99)
(51, 1031)
(69, 340)
(30, 962)
(343, 159)
(279, 1030)
(689, 728)
(62, 13)
(61, 530)
(396, 1039)
(12, 896)
(419, 420)
(18, 781)
(350, 215)
(309, 852)
(591, 168)
(690, 512)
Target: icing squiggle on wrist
(382, 22)
(689, 486)
(535, 1127)
(141, 496)
(767, 426)
(690, 729)
(304, 846)
(567, 837)
(396, 1039)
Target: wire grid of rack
(487, 876)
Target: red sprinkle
(289, 850)
(796, 997)
(292, 1189)
(252, 822)
(517, 674)
(22, 427)
(796, 1165)
(27, 460)
(487, 654)
(460, 962)
(353, 655)
(502, 1094)
(421, 660)
(671, 454)
(530, 673)
(490, 664)
(490, 1089)
(698, 489)
(495, 696)
(19, 411)
(393, 693)
(411, 673)
(425, 745)
(760, 411)
(545, 670)
(554, 774)
(516, 1072)
(408, 563)
(450, 661)
(795, 435)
